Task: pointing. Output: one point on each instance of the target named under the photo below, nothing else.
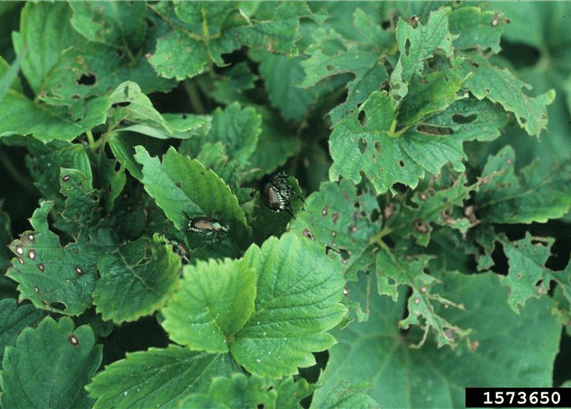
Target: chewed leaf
(392, 272)
(54, 278)
(339, 219)
(528, 277)
(298, 297)
(505, 197)
(157, 377)
(50, 366)
(501, 86)
(439, 207)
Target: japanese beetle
(180, 249)
(206, 226)
(276, 194)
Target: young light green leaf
(525, 198)
(54, 278)
(377, 351)
(182, 185)
(298, 295)
(49, 367)
(345, 395)
(135, 279)
(14, 319)
(118, 24)
(236, 392)
(501, 86)
(528, 277)
(157, 377)
(215, 300)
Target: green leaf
(157, 377)
(135, 279)
(206, 30)
(235, 392)
(393, 270)
(298, 294)
(281, 77)
(49, 367)
(474, 29)
(46, 123)
(180, 185)
(199, 315)
(361, 58)
(377, 351)
(118, 24)
(528, 277)
(14, 319)
(275, 146)
(367, 146)
(438, 207)
(54, 278)
(237, 129)
(44, 162)
(501, 86)
(416, 45)
(345, 395)
(528, 197)
(338, 218)
(44, 33)
(9, 77)
(123, 148)
(82, 201)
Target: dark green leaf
(49, 367)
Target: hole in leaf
(121, 104)
(407, 47)
(56, 305)
(522, 120)
(461, 119)
(184, 116)
(385, 25)
(119, 53)
(87, 79)
(434, 130)
(378, 146)
(362, 145)
(362, 118)
(401, 163)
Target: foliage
(423, 147)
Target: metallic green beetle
(276, 194)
